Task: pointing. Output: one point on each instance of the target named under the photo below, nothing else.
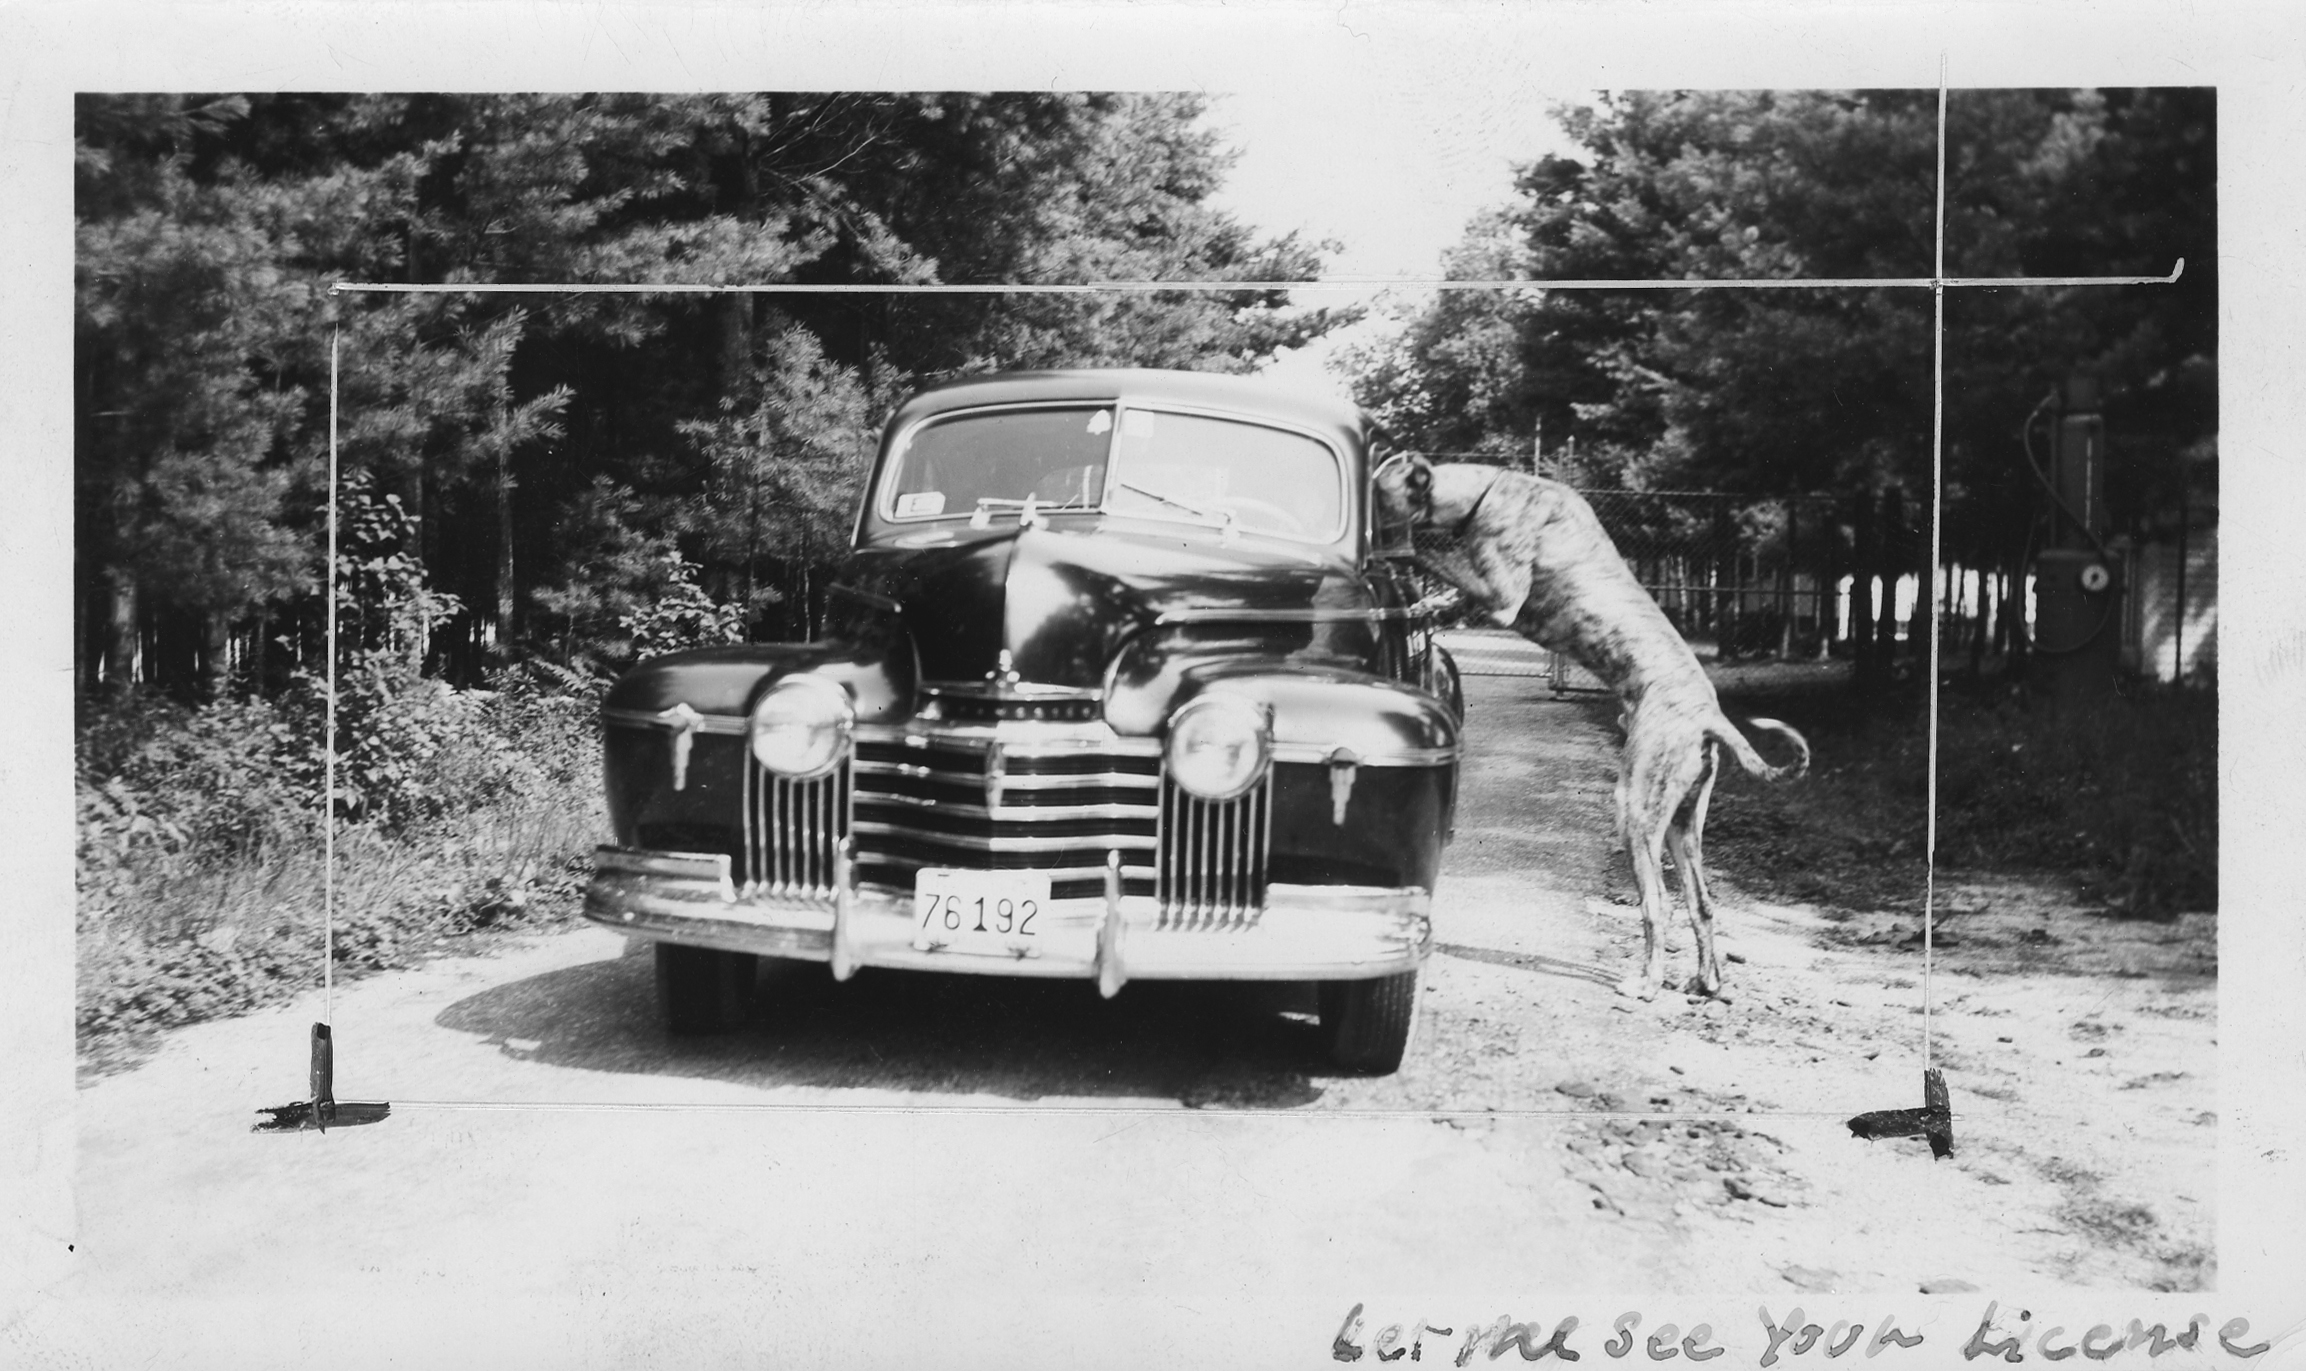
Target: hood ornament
(1003, 677)
(1343, 765)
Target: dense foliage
(567, 456)
(1781, 392)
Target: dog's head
(1405, 491)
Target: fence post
(1786, 581)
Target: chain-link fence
(1746, 578)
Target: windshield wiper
(1223, 518)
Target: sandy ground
(988, 1151)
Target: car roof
(1246, 395)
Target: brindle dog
(1531, 553)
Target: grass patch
(200, 859)
(2120, 800)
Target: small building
(2170, 615)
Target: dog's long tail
(1727, 734)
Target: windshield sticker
(920, 503)
(1102, 422)
(1137, 423)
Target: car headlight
(1218, 747)
(800, 727)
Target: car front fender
(1364, 772)
(673, 728)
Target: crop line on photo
(1132, 1111)
(1937, 521)
(1341, 283)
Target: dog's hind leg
(1645, 844)
(1687, 837)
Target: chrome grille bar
(1039, 796)
(1213, 857)
(791, 829)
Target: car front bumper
(1304, 932)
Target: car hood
(1052, 605)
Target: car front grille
(792, 829)
(1050, 798)
(1213, 856)
(1045, 799)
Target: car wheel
(704, 990)
(1447, 682)
(1365, 1025)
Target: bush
(682, 615)
(160, 782)
(200, 855)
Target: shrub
(682, 615)
(184, 914)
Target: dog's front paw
(1698, 988)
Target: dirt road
(990, 1160)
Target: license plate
(986, 913)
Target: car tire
(704, 990)
(1366, 1025)
(1447, 682)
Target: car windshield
(1162, 465)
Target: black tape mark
(323, 1108)
(1934, 1120)
(291, 1118)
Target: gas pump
(2077, 589)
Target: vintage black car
(1119, 683)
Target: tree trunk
(736, 321)
(120, 632)
(431, 557)
(808, 609)
(215, 653)
(2013, 624)
(504, 579)
(1978, 630)
(736, 310)
(1886, 549)
(1864, 654)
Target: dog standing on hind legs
(1531, 552)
